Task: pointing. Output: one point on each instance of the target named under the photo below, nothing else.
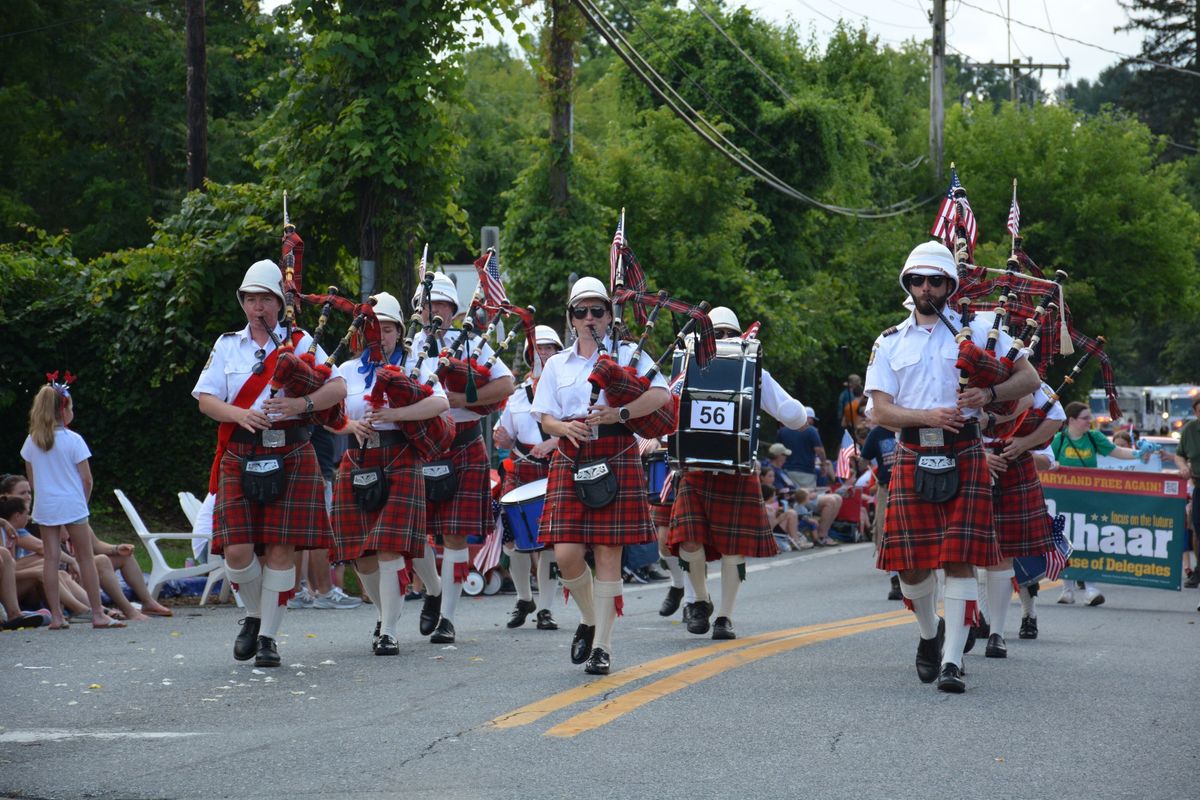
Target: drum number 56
(712, 416)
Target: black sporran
(370, 488)
(595, 483)
(441, 480)
(936, 479)
(262, 478)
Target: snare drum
(718, 410)
(522, 507)
(655, 464)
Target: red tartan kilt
(398, 527)
(725, 513)
(626, 520)
(523, 472)
(469, 512)
(1022, 524)
(297, 518)
(921, 535)
(660, 515)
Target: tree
(1166, 100)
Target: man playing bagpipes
(940, 505)
(392, 410)
(457, 482)
(529, 456)
(270, 497)
(721, 516)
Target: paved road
(818, 698)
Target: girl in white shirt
(56, 463)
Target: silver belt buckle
(372, 439)
(593, 432)
(932, 437)
(274, 438)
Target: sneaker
(1068, 595)
(336, 599)
(1193, 579)
(301, 599)
(1092, 597)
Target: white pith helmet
(544, 334)
(263, 276)
(585, 288)
(723, 317)
(387, 308)
(443, 289)
(931, 258)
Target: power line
(877, 21)
(784, 92)
(710, 133)
(42, 28)
(1053, 36)
(1125, 56)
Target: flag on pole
(946, 224)
(845, 461)
(616, 251)
(633, 277)
(1014, 214)
(488, 267)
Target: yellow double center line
(730, 654)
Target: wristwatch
(308, 405)
(623, 414)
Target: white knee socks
(580, 590)
(697, 571)
(676, 572)
(608, 595)
(451, 589)
(391, 602)
(731, 581)
(545, 582)
(960, 592)
(274, 582)
(249, 585)
(923, 597)
(370, 584)
(518, 567)
(999, 597)
(426, 568)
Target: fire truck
(1161, 410)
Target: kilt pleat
(626, 520)
(1022, 524)
(723, 512)
(523, 472)
(297, 517)
(469, 511)
(922, 535)
(397, 527)
(660, 515)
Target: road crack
(833, 743)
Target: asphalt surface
(817, 698)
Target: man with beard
(939, 513)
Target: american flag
(1014, 215)
(845, 462)
(616, 251)
(633, 276)
(1056, 559)
(945, 226)
(489, 278)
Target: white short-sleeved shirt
(563, 392)
(779, 404)
(58, 497)
(915, 365)
(516, 418)
(357, 391)
(1040, 396)
(480, 351)
(231, 364)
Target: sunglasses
(724, 334)
(581, 312)
(258, 367)
(935, 281)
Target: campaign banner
(1125, 527)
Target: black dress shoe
(929, 655)
(687, 612)
(1028, 628)
(545, 621)
(670, 603)
(950, 679)
(894, 593)
(996, 648)
(431, 612)
(246, 643)
(375, 635)
(524, 609)
(598, 662)
(698, 622)
(268, 654)
(443, 633)
(971, 636)
(581, 645)
(723, 628)
(387, 646)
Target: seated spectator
(14, 617)
(825, 508)
(806, 459)
(784, 522)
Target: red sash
(249, 392)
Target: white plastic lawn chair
(160, 570)
(192, 509)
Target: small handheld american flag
(1014, 214)
(946, 224)
(488, 268)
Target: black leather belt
(615, 429)
(527, 455)
(273, 437)
(389, 438)
(466, 435)
(913, 437)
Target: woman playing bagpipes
(270, 498)
(458, 497)
(597, 490)
(379, 495)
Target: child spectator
(56, 462)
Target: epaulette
(230, 333)
(890, 331)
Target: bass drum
(718, 410)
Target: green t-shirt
(1189, 446)
(1080, 452)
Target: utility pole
(937, 88)
(197, 97)
(565, 27)
(1015, 68)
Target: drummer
(378, 541)
(605, 468)
(518, 432)
(722, 516)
